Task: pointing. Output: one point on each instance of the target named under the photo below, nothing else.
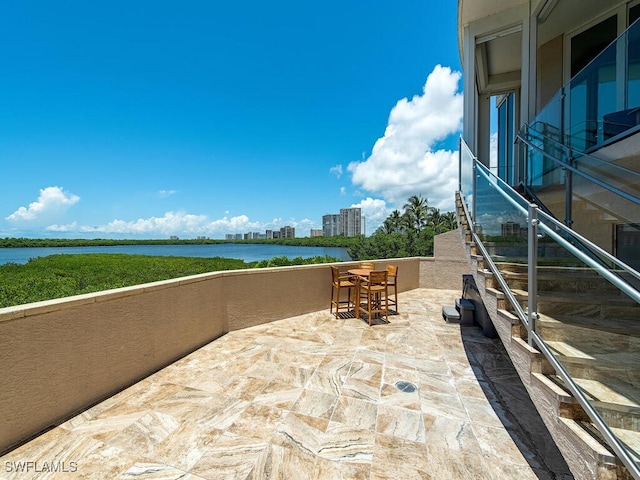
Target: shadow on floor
(510, 400)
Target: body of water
(247, 252)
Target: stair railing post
(532, 271)
(568, 192)
(460, 165)
(474, 196)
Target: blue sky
(147, 119)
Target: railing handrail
(616, 445)
(496, 272)
(613, 278)
(558, 144)
(591, 178)
(591, 412)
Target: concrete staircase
(594, 331)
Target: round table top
(363, 272)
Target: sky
(148, 119)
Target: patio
(315, 397)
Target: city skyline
(196, 119)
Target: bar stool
(340, 281)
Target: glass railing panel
(592, 98)
(633, 67)
(550, 120)
(542, 170)
(501, 222)
(466, 175)
(607, 219)
(591, 324)
(605, 197)
(601, 101)
(622, 179)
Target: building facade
(560, 209)
(350, 224)
(287, 232)
(330, 225)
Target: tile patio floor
(313, 397)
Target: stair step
(628, 437)
(617, 408)
(619, 299)
(621, 332)
(557, 279)
(599, 308)
(612, 393)
(631, 439)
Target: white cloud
(375, 212)
(169, 224)
(404, 161)
(343, 191)
(336, 170)
(70, 227)
(493, 152)
(52, 202)
(166, 193)
(183, 224)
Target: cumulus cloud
(52, 202)
(171, 223)
(182, 224)
(405, 161)
(375, 212)
(336, 170)
(70, 227)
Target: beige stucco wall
(60, 356)
(549, 74)
(448, 264)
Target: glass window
(587, 45)
(505, 139)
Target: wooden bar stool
(340, 281)
(375, 289)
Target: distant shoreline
(18, 242)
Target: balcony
(303, 396)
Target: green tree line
(17, 242)
(405, 234)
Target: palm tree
(417, 210)
(395, 219)
(387, 227)
(435, 218)
(450, 220)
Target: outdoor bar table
(358, 272)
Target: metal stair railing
(524, 137)
(529, 318)
(553, 233)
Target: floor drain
(406, 387)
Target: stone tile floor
(315, 397)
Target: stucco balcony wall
(60, 356)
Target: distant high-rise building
(316, 232)
(350, 224)
(287, 232)
(330, 225)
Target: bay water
(250, 252)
